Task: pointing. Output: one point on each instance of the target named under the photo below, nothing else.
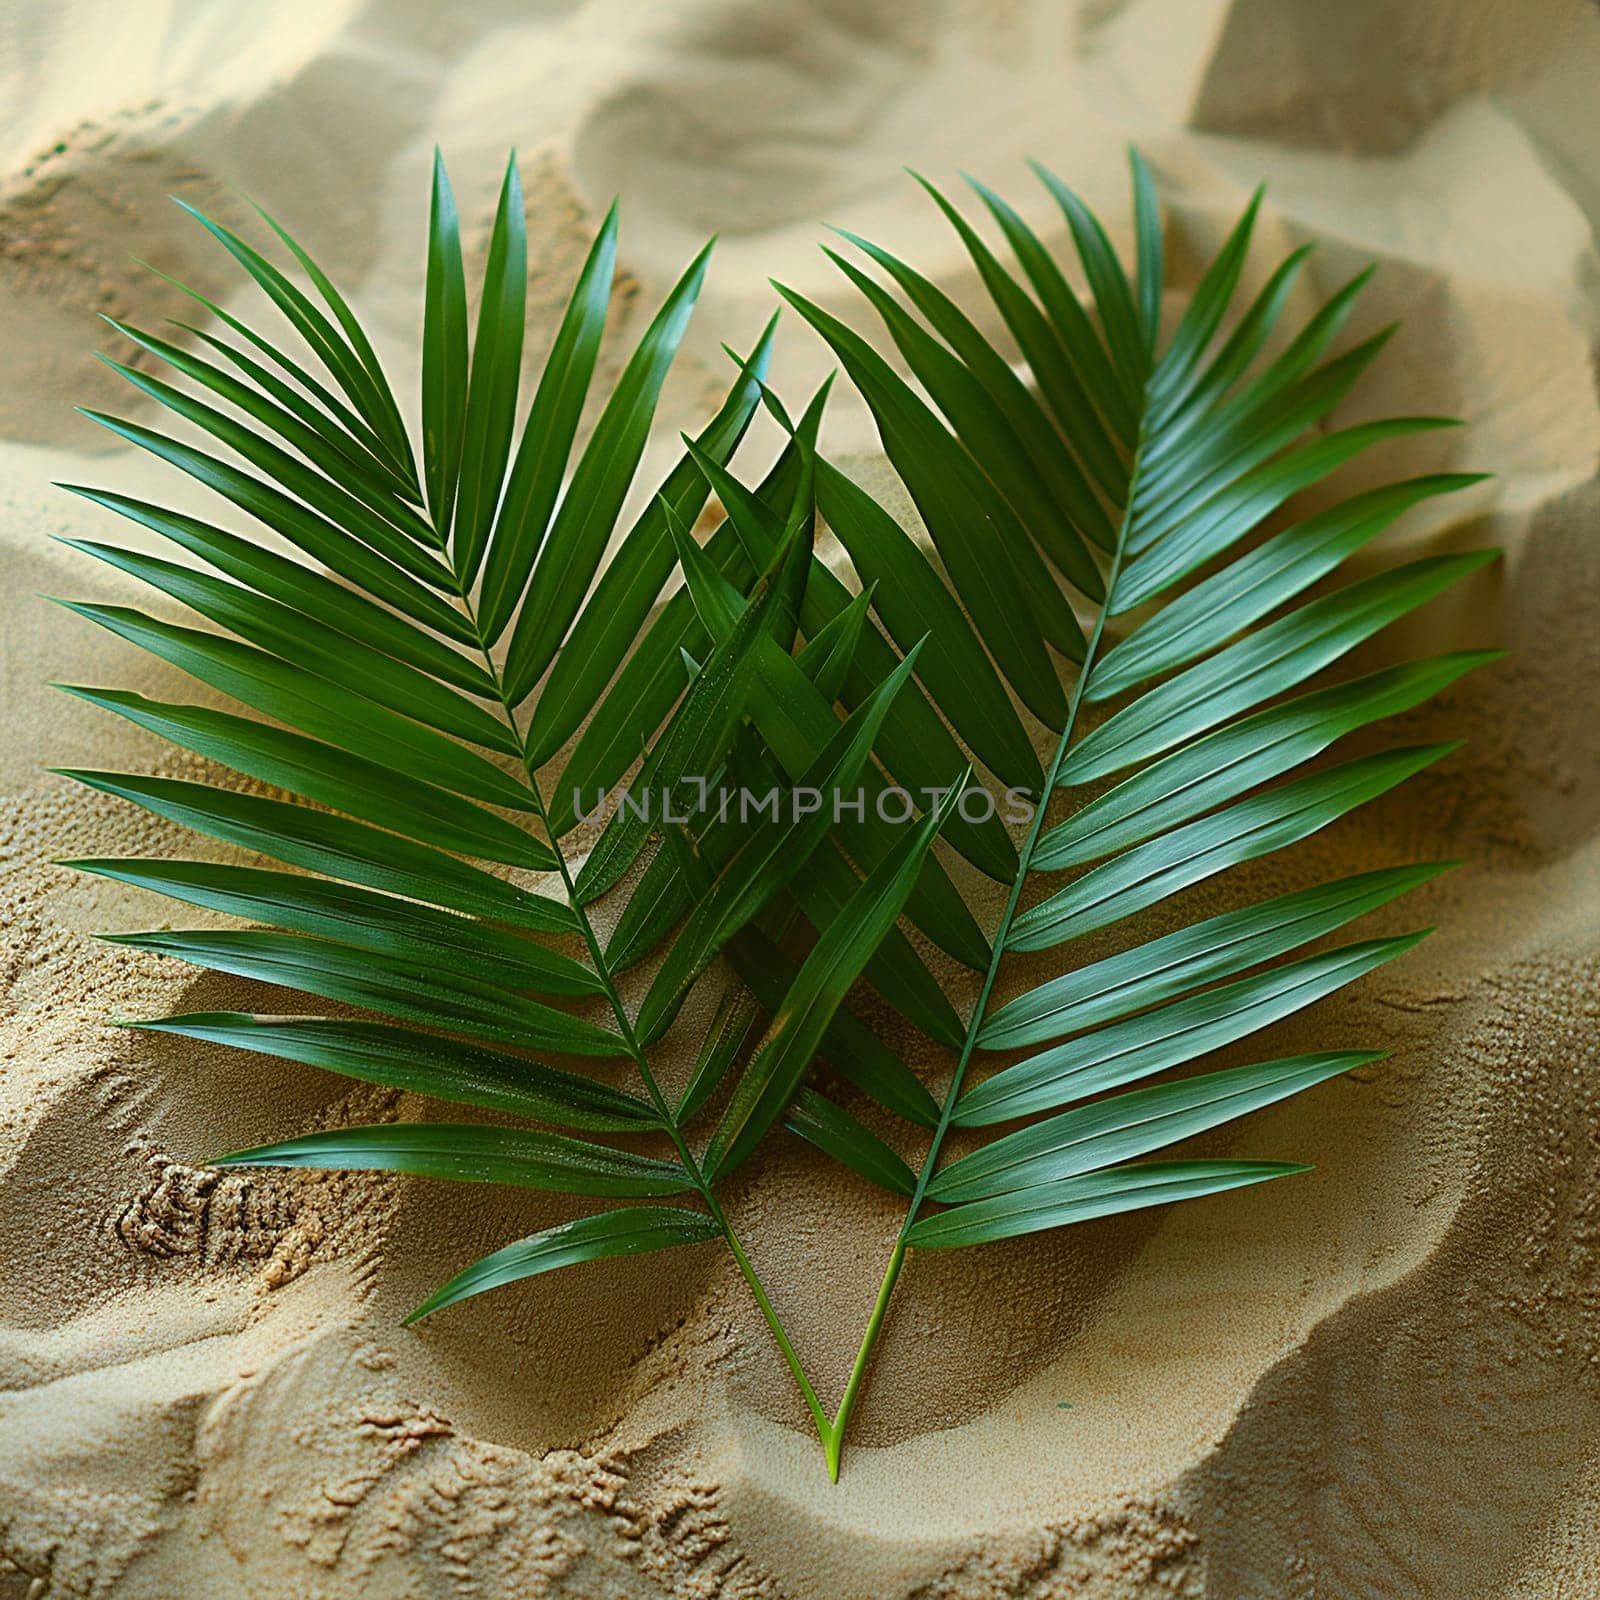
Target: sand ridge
(1385, 1385)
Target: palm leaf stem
(833, 1437)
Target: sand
(1385, 1382)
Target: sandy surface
(1386, 1383)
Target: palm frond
(435, 656)
(382, 674)
(1127, 484)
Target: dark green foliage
(1095, 530)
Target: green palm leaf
(318, 604)
(536, 476)
(399, 683)
(571, 554)
(428, 680)
(634, 1231)
(1094, 1194)
(469, 1153)
(407, 989)
(353, 369)
(1093, 1137)
(489, 412)
(774, 1072)
(1199, 643)
(422, 1063)
(351, 915)
(818, 1121)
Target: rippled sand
(1382, 1382)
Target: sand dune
(1387, 1385)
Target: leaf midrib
(1035, 833)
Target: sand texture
(1381, 1382)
